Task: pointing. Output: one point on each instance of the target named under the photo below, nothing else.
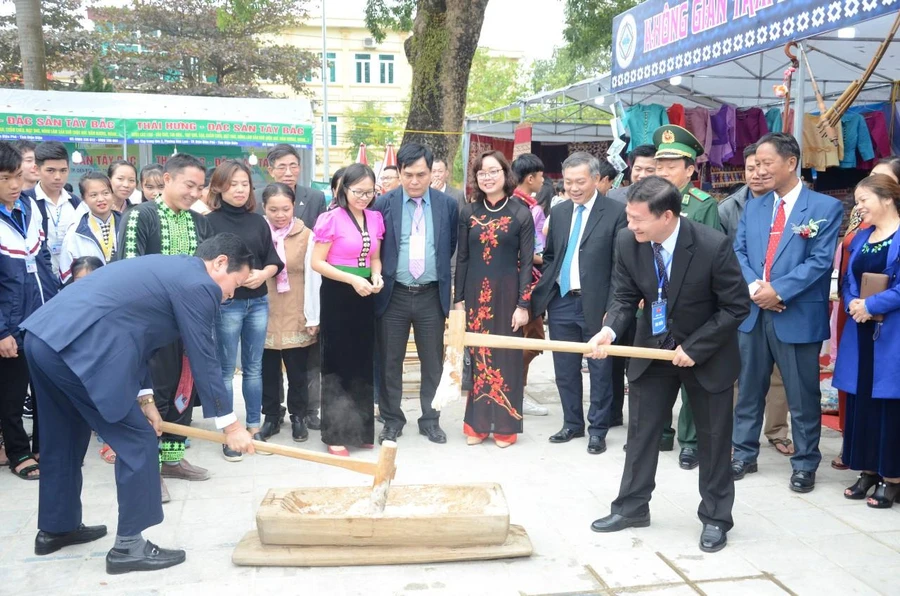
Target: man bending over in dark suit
(688, 276)
(89, 360)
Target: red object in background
(361, 156)
(390, 158)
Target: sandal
(108, 455)
(863, 485)
(783, 446)
(25, 473)
(885, 495)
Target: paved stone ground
(782, 542)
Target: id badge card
(658, 317)
(417, 247)
(31, 265)
(56, 249)
(182, 402)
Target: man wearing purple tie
(420, 237)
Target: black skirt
(347, 344)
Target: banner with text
(67, 129)
(217, 132)
(659, 39)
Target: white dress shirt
(667, 253)
(790, 199)
(60, 216)
(574, 271)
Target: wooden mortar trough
(415, 515)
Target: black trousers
(296, 363)
(13, 386)
(650, 401)
(421, 309)
(165, 370)
(619, 366)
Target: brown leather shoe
(165, 490)
(185, 471)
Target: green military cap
(674, 142)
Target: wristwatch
(143, 401)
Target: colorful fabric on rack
(724, 140)
(818, 152)
(697, 121)
(676, 115)
(642, 122)
(856, 140)
(750, 127)
(877, 126)
(775, 120)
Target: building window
(315, 72)
(386, 64)
(363, 68)
(332, 131)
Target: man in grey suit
(643, 164)
(440, 174)
(284, 166)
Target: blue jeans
(244, 322)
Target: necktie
(663, 275)
(774, 239)
(185, 386)
(417, 241)
(566, 271)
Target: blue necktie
(566, 272)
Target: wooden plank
(435, 515)
(250, 551)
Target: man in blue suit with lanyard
(785, 244)
(88, 356)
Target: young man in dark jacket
(26, 283)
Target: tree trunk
(31, 44)
(440, 51)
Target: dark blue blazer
(445, 216)
(887, 365)
(108, 325)
(801, 272)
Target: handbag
(468, 377)
(873, 283)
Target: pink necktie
(417, 230)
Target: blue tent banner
(659, 39)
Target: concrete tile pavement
(782, 543)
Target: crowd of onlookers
(336, 287)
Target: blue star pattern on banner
(658, 39)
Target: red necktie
(774, 239)
(185, 386)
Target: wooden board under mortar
(433, 515)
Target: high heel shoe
(338, 450)
(885, 495)
(863, 485)
(502, 444)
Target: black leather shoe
(596, 445)
(713, 539)
(688, 459)
(390, 434)
(566, 435)
(298, 429)
(312, 421)
(48, 542)
(151, 559)
(667, 443)
(271, 426)
(739, 468)
(803, 482)
(615, 522)
(434, 433)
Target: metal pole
(325, 144)
(800, 107)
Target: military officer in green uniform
(676, 154)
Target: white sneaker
(531, 408)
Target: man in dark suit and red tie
(688, 276)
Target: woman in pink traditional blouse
(347, 254)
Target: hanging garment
(877, 126)
(697, 121)
(676, 115)
(724, 141)
(818, 152)
(775, 120)
(642, 122)
(856, 139)
(750, 127)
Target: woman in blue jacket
(867, 366)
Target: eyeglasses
(488, 174)
(294, 167)
(369, 194)
(389, 178)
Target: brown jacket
(288, 311)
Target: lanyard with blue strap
(658, 316)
